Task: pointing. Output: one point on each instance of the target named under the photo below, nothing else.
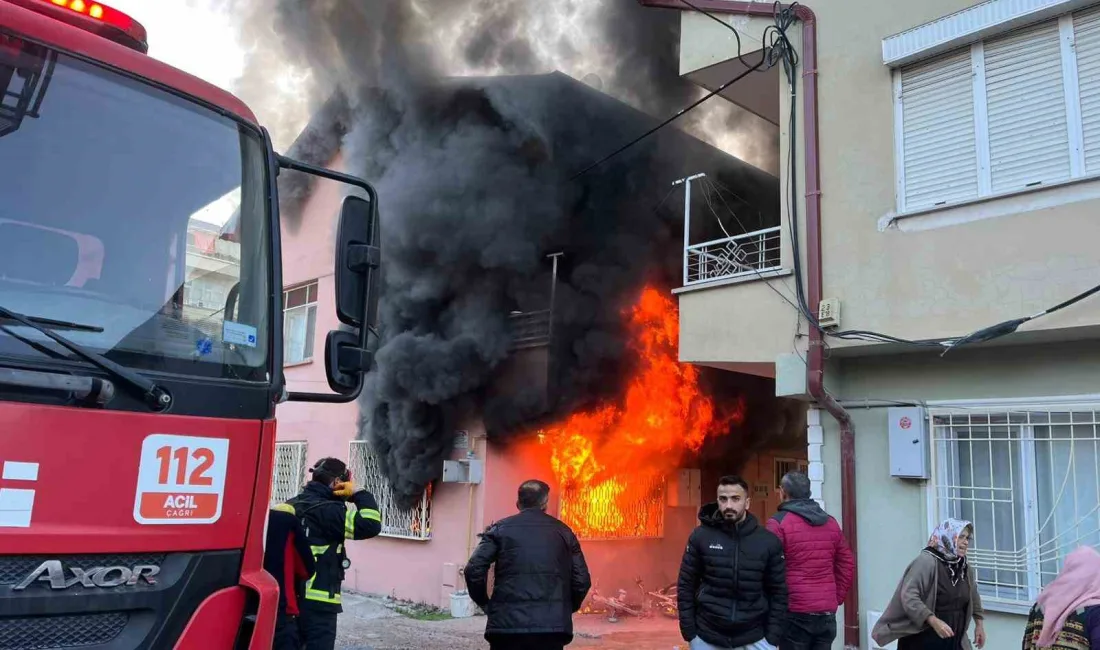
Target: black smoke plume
(474, 177)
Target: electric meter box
(909, 457)
(466, 470)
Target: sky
(190, 35)
(201, 38)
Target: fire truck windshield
(136, 215)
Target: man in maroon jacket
(819, 566)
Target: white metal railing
(1028, 478)
(414, 523)
(731, 257)
(290, 470)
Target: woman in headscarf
(937, 597)
(1067, 614)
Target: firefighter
(328, 523)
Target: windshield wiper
(59, 324)
(156, 397)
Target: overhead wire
(665, 123)
(766, 60)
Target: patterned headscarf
(944, 546)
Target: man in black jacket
(732, 591)
(540, 579)
(328, 523)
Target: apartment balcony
(736, 270)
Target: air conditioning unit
(872, 619)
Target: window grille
(1027, 477)
(616, 508)
(1013, 112)
(290, 470)
(784, 465)
(415, 523)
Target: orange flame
(608, 459)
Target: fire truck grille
(14, 568)
(42, 632)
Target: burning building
(527, 329)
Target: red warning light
(96, 17)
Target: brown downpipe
(815, 371)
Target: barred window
(784, 465)
(415, 523)
(289, 472)
(616, 508)
(1027, 477)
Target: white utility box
(908, 442)
(462, 606)
(465, 470)
(790, 376)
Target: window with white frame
(1028, 479)
(299, 323)
(414, 523)
(289, 473)
(1007, 114)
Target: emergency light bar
(94, 17)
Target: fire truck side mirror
(349, 351)
(358, 256)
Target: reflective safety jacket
(328, 522)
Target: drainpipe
(815, 371)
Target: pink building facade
(421, 553)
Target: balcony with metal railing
(748, 254)
(735, 304)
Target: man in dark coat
(540, 578)
(732, 591)
(820, 565)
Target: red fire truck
(141, 340)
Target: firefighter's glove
(344, 490)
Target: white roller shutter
(939, 156)
(1028, 138)
(1086, 30)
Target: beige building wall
(894, 514)
(942, 273)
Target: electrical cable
(767, 59)
(1009, 326)
(736, 34)
(666, 122)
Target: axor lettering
(53, 572)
